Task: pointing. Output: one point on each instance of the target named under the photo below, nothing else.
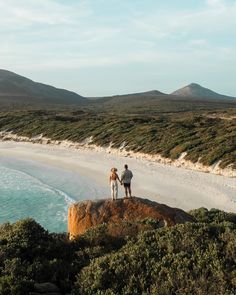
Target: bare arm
(118, 177)
(122, 176)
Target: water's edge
(30, 189)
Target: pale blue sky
(104, 47)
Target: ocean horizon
(29, 189)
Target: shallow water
(32, 189)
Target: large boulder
(86, 214)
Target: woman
(113, 183)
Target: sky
(108, 47)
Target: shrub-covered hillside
(194, 258)
(205, 137)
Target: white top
(126, 176)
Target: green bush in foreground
(193, 258)
(185, 259)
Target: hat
(113, 169)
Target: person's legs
(126, 190)
(115, 190)
(129, 190)
(112, 190)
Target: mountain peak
(198, 91)
(194, 85)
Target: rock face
(86, 214)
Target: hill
(196, 90)
(154, 101)
(129, 101)
(16, 90)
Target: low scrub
(192, 258)
(204, 138)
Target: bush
(129, 258)
(202, 137)
(185, 259)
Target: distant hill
(18, 90)
(158, 102)
(129, 98)
(146, 93)
(196, 90)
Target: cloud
(216, 3)
(52, 35)
(46, 12)
(199, 42)
(207, 21)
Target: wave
(23, 195)
(33, 182)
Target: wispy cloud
(215, 17)
(23, 13)
(52, 35)
(216, 3)
(199, 42)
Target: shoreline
(167, 184)
(87, 145)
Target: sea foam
(30, 189)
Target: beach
(174, 186)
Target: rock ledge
(86, 214)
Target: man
(126, 177)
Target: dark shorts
(127, 185)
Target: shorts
(127, 185)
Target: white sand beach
(174, 186)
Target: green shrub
(130, 258)
(185, 259)
(203, 138)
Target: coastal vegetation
(204, 136)
(190, 258)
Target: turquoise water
(31, 189)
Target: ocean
(31, 189)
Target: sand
(174, 186)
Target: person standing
(113, 183)
(126, 177)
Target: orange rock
(84, 215)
